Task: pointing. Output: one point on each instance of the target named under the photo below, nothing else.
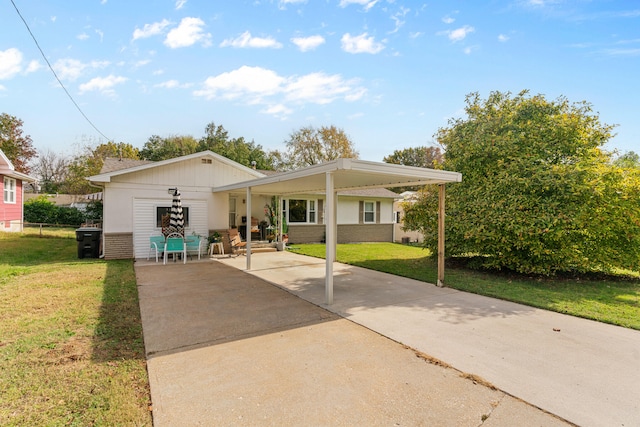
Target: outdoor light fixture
(171, 190)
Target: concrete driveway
(583, 371)
(228, 348)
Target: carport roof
(348, 174)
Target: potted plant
(215, 237)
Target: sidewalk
(227, 348)
(580, 370)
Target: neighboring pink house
(11, 186)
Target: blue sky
(389, 72)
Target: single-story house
(340, 196)
(11, 205)
(137, 193)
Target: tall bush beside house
(69, 216)
(42, 210)
(539, 193)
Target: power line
(56, 75)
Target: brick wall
(118, 245)
(347, 233)
(305, 233)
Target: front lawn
(71, 349)
(612, 299)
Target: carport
(346, 174)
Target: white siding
(348, 210)
(144, 219)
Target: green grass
(612, 299)
(71, 349)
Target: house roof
(139, 165)
(349, 175)
(7, 169)
(113, 164)
(378, 193)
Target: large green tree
(89, 160)
(17, 147)
(217, 140)
(539, 193)
(157, 148)
(310, 146)
(422, 157)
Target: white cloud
(180, 4)
(2, 88)
(33, 66)
(245, 40)
(141, 63)
(260, 86)
(397, 18)
(10, 63)
(318, 88)
(278, 110)
(82, 36)
(150, 29)
(103, 85)
(251, 82)
(503, 38)
(189, 32)
(72, 69)
(308, 43)
(360, 44)
(367, 4)
(458, 34)
(173, 84)
(448, 20)
(282, 4)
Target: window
(232, 212)
(302, 211)
(297, 211)
(369, 212)
(312, 211)
(166, 210)
(9, 190)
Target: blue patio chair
(194, 245)
(156, 245)
(175, 245)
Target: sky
(387, 72)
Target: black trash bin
(88, 242)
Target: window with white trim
(162, 211)
(369, 213)
(9, 190)
(301, 211)
(312, 211)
